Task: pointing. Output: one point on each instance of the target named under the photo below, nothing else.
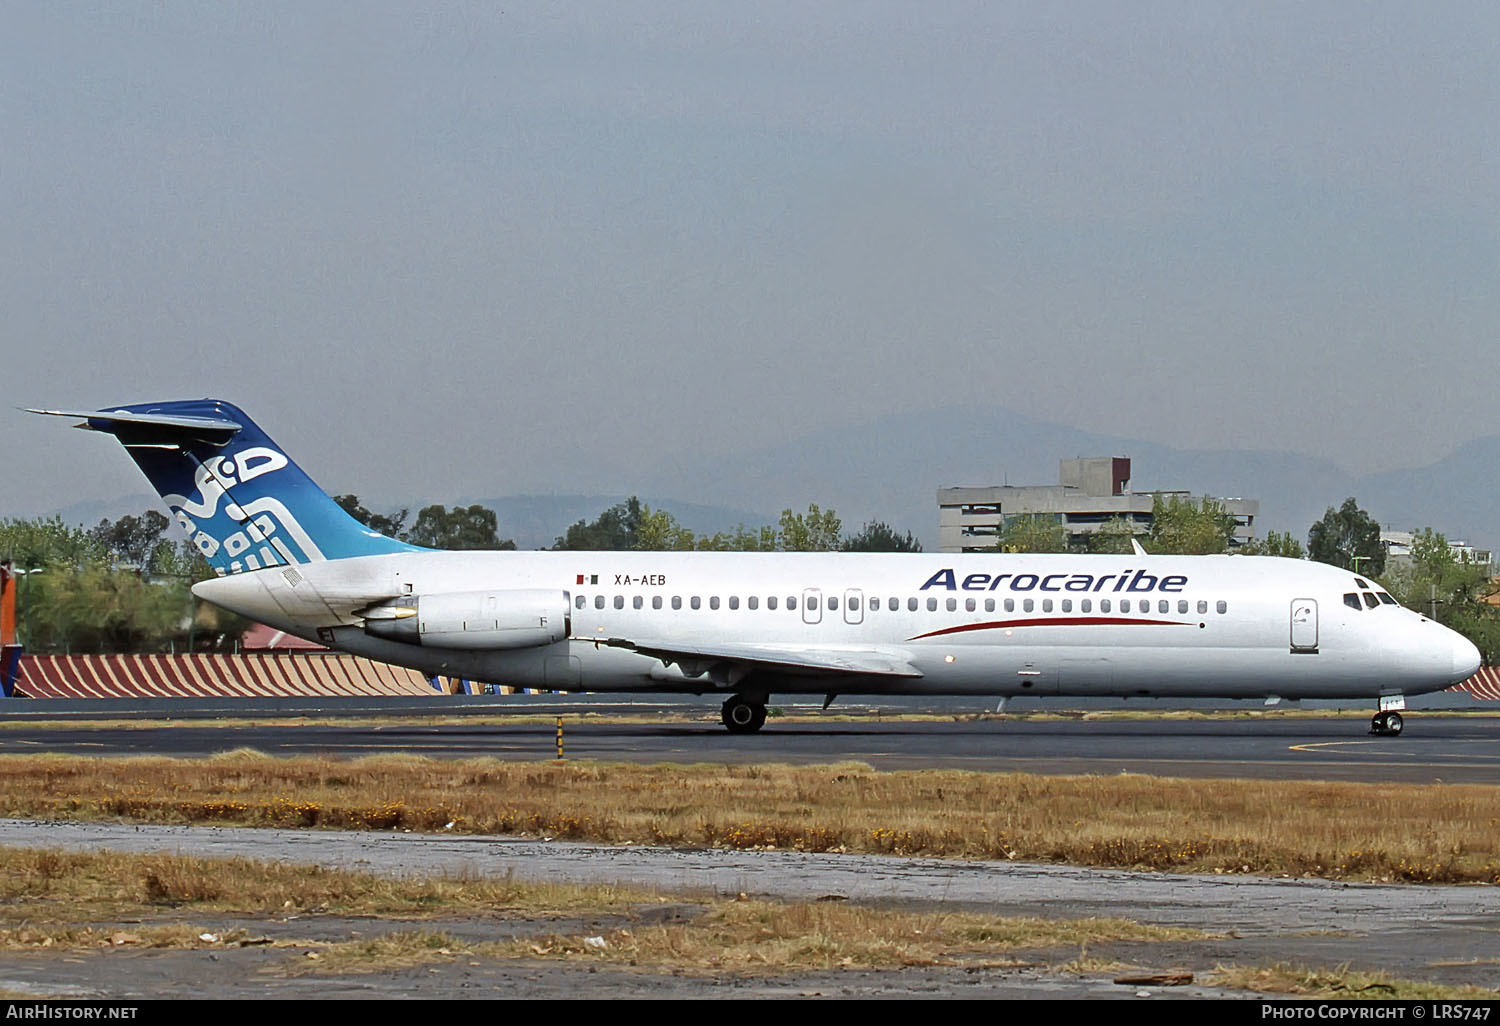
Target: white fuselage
(988, 624)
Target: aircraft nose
(1465, 658)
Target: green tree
(1180, 527)
(617, 529)
(1448, 587)
(391, 527)
(1032, 532)
(131, 541)
(1112, 538)
(878, 536)
(1347, 537)
(1274, 543)
(462, 527)
(814, 531)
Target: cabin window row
(932, 603)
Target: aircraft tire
(742, 716)
(1393, 724)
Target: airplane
(746, 625)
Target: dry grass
(1446, 833)
(1341, 983)
(754, 936)
(43, 889)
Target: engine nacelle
(519, 618)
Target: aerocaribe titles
(1141, 581)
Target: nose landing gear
(1386, 724)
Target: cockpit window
(1361, 583)
(1371, 600)
(1387, 599)
(1352, 600)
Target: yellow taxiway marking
(1318, 745)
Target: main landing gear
(1386, 724)
(743, 716)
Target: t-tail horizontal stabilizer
(241, 500)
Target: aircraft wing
(729, 663)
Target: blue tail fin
(243, 502)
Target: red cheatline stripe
(1053, 621)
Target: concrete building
(1089, 493)
(1398, 547)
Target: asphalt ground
(1435, 747)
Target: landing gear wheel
(1387, 724)
(743, 716)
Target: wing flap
(840, 662)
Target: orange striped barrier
(1484, 684)
(251, 675)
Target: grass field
(1442, 833)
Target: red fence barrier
(251, 675)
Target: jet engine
(519, 618)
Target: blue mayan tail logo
(243, 503)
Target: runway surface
(1435, 747)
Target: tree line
(124, 586)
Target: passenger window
(753, 601)
(851, 602)
(1182, 605)
(1371, 600)
(989, 605)
(619, 601)
(695, 602)
(932, 605)
(1028, 605)
(1067, 605)
(1086, 606)
(894, 605)
(1351, 600)
(1104, 605)
(655, 601)
(1223, 606)
(952, 605)
(1010, 605)
(911, 605)
(1202, 606)
(1046, 605)
(598, 601)
(580, 602)
(637, 602)
(676, 601)
(1124, 605)
(791, 601)
(734, 602)
(771, 602)
(713, 602)
(1164, 606)
(969, 605)
(833, 603)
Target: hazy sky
(466, 250)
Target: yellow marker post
(559, 739)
